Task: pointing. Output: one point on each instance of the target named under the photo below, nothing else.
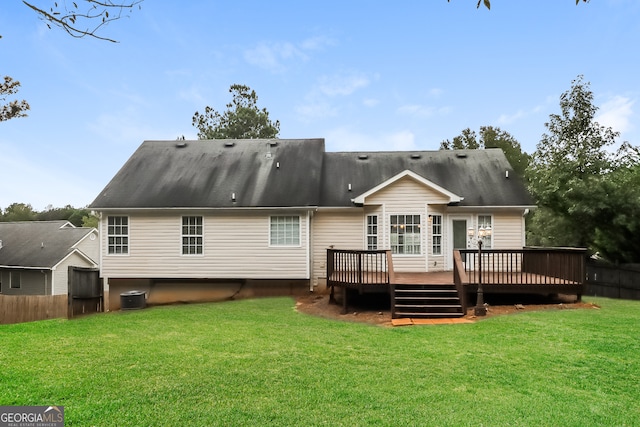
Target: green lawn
(259, 362)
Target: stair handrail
(459, 279)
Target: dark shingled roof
(206, 173)
(479, 176)
(296, 173)
(40, 244)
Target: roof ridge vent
(363, 156)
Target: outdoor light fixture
(480, 309)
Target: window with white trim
(284, 231)
(372, 232)
(436, 234)
(14, 280)
(484, 221)
(405, 234)
(118, 235)
(192, 236)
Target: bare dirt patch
(374, 309)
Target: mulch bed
(375, 310)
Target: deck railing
(535, 266)
(353, 267)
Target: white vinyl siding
(405, 197)
(508, 230)
(237, 246)
(340, 229)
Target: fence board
(29, 308)
(612, 281)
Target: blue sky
(364, 75)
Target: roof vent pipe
(506, 174)
(277, 165)
(349, 187)
(233, 197)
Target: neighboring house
(35, 255)
(193, 216)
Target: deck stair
(425, 301)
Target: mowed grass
(259, 362)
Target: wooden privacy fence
(612, 281)
(86, 293)
(85, 296)
(29, 308)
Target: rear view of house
(35, 255)
(185, 220)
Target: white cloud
(415, 110)
(370, 102)
(315, 110)
(343, 139)
(342, 84)
(317, 102)
(274, 56)
(616, 113)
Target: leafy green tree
(18, 212)
(90, 220)
(69, 213)
(11, 109)
(491, 137)
(585, 192)
(242, 119)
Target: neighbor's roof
(479, 177)
(38, 244)
(208, 173)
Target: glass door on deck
(459, 234)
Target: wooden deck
(525, 271)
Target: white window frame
(192, 235)
(372, 227)
(487, 241)
(12, 276)
(123, 238)
(436, 234)
(396, 245)
(284, 224)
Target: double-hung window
(284, 230)
(118, 235)
(192, 236)
(372, 232)
(405, 234)
(436, 234)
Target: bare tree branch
(87, 21)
